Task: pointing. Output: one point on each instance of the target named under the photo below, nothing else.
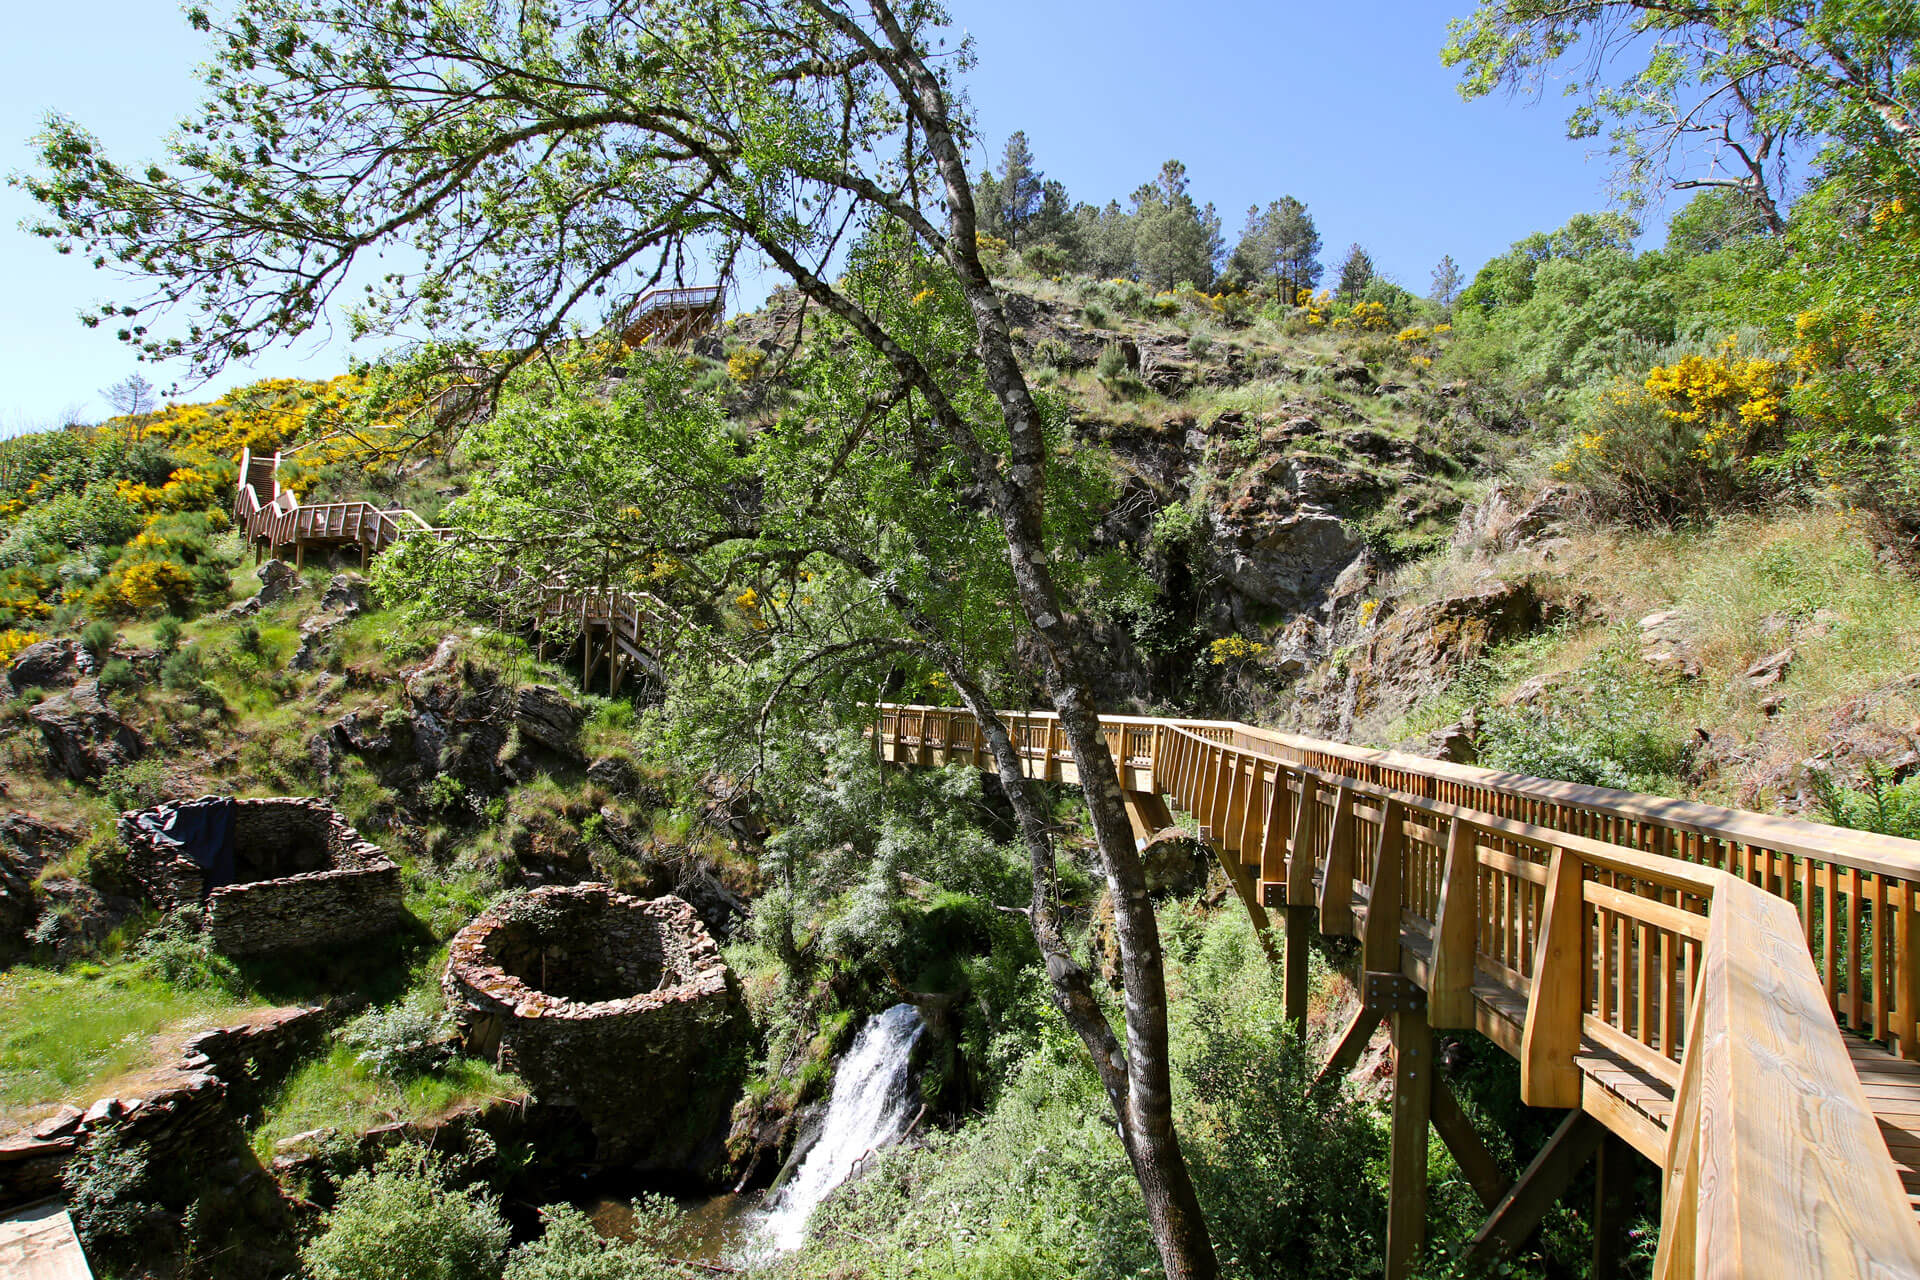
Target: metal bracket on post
(1273, 894)
(1392, 993)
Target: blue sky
(1344, 105)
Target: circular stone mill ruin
(615, 1005)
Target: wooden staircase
(612, 624)
(1675, 976)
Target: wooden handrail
(1855, 892)
(1610, 950)
(1775, 1165)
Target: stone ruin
(271, 875)
(617, 1006)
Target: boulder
(1770, 670)
(84, 734)
(1666, 644)
(547, 716)
(44, 663)
(616, 773)
(278, 580)
(1176, 863)
(345, 595)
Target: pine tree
(1280, 246)
(1446, 283)
(1022, 188)
(1356, 273)
(1175, 241)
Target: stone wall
(620, 1007)
(218, 1078)
(306, 878)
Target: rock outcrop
(44, 664)
(85, 735)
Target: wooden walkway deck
(39, 1243)
(1733, 995)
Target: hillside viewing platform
(672, 316)
(1730, 994)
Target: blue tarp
(200, 829)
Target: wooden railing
(1590, 933)
(1854, 893)
(620, 619)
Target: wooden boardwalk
(39, 1243)
(1734, 996)
(611, 625)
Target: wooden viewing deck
(1676, 976)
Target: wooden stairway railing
(1588, 960)
(612, 623)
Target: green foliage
(114, 1194)
(406, 1220)
(118, 675)
(1883, 805)
(1175, 240)
(177, 951)
(399, 1041)
(1112, 365)
(1610, 727)
(569, 1248)
(97, 638)
(138, 784)
(166, 634)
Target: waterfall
(868, 1110)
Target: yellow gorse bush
(14, 639)
(1730, 398)
(1235, 649)
(152, 583)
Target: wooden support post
(1614, 1167)
(299, 553)
(1546, 1179)
(1407, 1161)
(1300, 904)
(1380, 942)
(1353, 1042)
(1549, 1076)
(1450, 986)
(1469, 1152)
(1273, 832)
(1336, 882)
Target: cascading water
(868, 1110)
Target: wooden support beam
(1545, 1180)
(1300, 902)
(1353, 1042)
(1450, 986)
(1549, 1077)
(1614, 1166)
(1482, 1171)
(1336, 882)
(1147, 814)
(1407, 1158)
(1294, 977)
(1380, 943)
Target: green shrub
(570, 1249)
(138, 784)
(404, 1220)
(1611, 727)
(177, 952)
(399, 1041)
(97, 638)
(166, 633)
(113, 1194)
(1095, 315)
(1888, 807)
(1199, 346)
(1112, 364)
(118, 674)
(183, 669)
